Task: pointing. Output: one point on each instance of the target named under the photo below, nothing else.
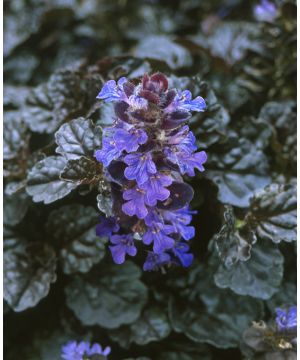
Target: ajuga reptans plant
(146, 153)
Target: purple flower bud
(122, 245)
(265, 11)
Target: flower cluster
(145, 154)
(286, 320)
(83, 351)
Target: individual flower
(122, 245)
(145, 153)
(140, 167)
(135, 204)
(109, 152)
(156, 261)
(107, 226)
(286, 319)
(158, 234)
(78, 351)
(180, 219)
(155, 188)
(265, 11)
(113, 91)
(186, 162)
(129, 140)
(181, 251)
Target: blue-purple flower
(135, 204)
(286, 319)
(140, 167)
(265, 11)
(149, 147)
(122, 245)
(107, 226)
(79, 351)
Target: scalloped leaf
(73, 227)
(115, 297)
(44, 182)
(259, 277)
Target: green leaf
(286, 295)
(274, 213)
(207, 314)
(29, 270)
(233, 245)
(78, 138)
(15, 135)
(152, 325)
(15, 208)
(74, 229)
(163, 48)
(238, 172)
(82, 171)
(113, 298)
(259, 277)
(44, 183)
(61, 99)
(210, 127)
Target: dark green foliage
(60, 283)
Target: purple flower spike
(122, 245)
(135, 204)
(129, 140)
(113, 91)
(156, 261)
(158, 235)
(181, 251)
(145, 153)
(107, 226)
(155, 188)
(286, 319)
(140, 167)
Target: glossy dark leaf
(152, 325)
(274, 213)
(115, 297)
(15, 208)
(29, 270)
(44, 183)
(165, 49)
(233, 245)
(238, 173)
(259, 277)
(82, 171)
(61, 99)
(78, 138)
(74, 229)
(210, 315)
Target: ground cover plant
(149, 180)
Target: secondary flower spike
(83, 351)
(145, 153)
